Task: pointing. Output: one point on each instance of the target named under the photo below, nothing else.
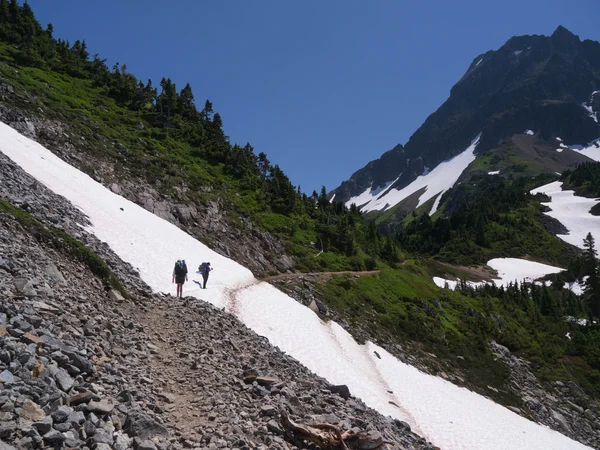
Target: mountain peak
(564, 35)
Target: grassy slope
(404, 306)
(126, 138)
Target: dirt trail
(324, 275)
(170, 365)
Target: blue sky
(321, 87)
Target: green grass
(136, 149)
(404, 306)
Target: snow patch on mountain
(435, 182)
(514, 269)
(518, 52)
(591, 150)
(369, 194)
(591, 112)
(576, 287)
(510, 270)
(529, 132)
(450, 416)
(494, 172)
(572, 211)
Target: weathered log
(328, 436)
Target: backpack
(179, 270)
(202, 268)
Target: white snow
(478, 62)
(436, 204)
(494, 172)
(529, 132)
(514, 269)
(559, 150)
(510, 270)
(332, 198)
(575, 287)
(559, 139)
(572, 211)
(591, 150)
(369, 194)
(435, 182)
(518, 52)
(449, 416)
(425, 171)
(590, 112)
(452, 284)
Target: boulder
(143, 426)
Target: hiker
(180, 276)
(205, 269)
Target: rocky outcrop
(213, 223)
(561, 406)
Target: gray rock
(274, 427)
(146, 445)
(63, 427)
(55, 274)
(342, 390)
(54, 437)
(43, 426)
(62, 414)
(82, 363)
(62, 378)
(268, 410)
(89, 428)
(102, 407)
(7, 378)
(7, 429)
(5, 446)
(561, 421)
(115, 295)
(102, 446)
(102, 436)
(143, 426)
(76, 418)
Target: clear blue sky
(322, 87)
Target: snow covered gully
(449, 416)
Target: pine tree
(186, 106)
(591, 285)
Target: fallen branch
(321, 435)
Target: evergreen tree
(186, 107)
(592, 284)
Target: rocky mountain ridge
(545, 84)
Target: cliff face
(545, 84)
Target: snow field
(449, 416)
(572, 211)
(591, 150)
(435, 182)
(510, 270)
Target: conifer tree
(592, 284)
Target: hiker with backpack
(180, 276)
(204, 269)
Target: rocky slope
(83, 367)
(232, 236)
(545, 84)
